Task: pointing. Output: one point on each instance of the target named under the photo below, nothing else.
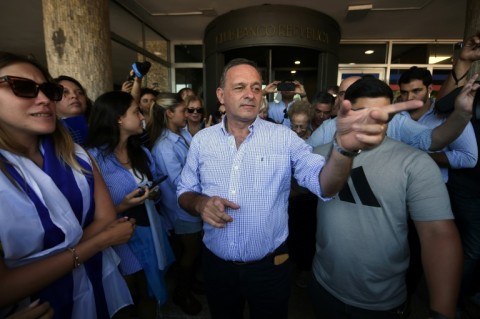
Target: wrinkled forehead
(243, 73)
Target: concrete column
(77, 42)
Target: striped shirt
(257, 177)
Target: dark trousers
(327, 306)
(302, 227)
(262, 284)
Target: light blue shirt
(277, 111)
(401, 128)
(170, 153)
(257, 177)
(461, 153)
(120, 182)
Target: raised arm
(446, 133)
(356, 130)
(461, 153)
(469, 53)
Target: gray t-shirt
(362, 250)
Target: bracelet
(76, 259)
(454, 76)
(343, 151)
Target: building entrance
(274, 36)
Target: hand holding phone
(154, 184)
(286, 86)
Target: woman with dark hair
(116, 124)
(57, 218)
(74, 107)
(170, 145)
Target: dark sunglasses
(219, 114)
(192, 110)
(27, 88)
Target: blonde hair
(157, 122)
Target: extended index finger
(402, 106)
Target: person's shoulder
(208, 133)
(404, 150)
(271, 126)
(332, 122)
(94, 151)
(323, 149)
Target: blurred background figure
(322, 104)
(74, 107)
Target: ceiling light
(209, 12)
(293, 71)
(358, 12)
(297, 62)
(369, 52)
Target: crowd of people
(355, 193)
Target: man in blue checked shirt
(237, 178)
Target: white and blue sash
(45, 215)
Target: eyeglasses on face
(301, 127)
(220, 113)
(27, 88)
(192, 110)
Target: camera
(286, 86)
(446, 104)
(140, 69)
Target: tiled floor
(300, 307)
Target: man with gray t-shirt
(362, 250)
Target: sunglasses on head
(27, 88)
(192, 110)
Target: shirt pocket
(271, 171)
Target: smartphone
(141, 192)
(158, 181)
(286, 86)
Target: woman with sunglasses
(170, 143)
(57, 218)
(195, 115)
(116, 124)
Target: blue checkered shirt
(257, 177)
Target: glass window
(185, 53)
(125, 25)
(156, 44)
(427, 53)
(362, 53)
(189, 77)
(158, 77)
(122, 60)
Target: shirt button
(233, 191)
(235, 167)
